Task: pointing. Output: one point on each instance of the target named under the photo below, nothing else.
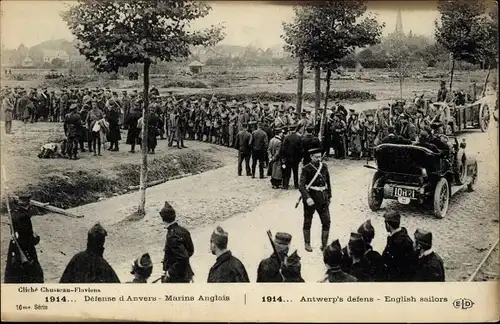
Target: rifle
(300, 197)
(270, 236)
(156, 280)
(23, 257)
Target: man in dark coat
(142, 269)
(339, 131)
(332, 257)
(430, 267)
(291, 268)
(178, 249)
(243, 145)
(392, 138)
(73, 129)
(407, 130)
(227, 268)
(316, 192)
(291, 154)
(270, 268)
(309, 141)
(259, 145)
(376, 269)
(442, 93)
(360, 268)
(133, 131)
(398, 255)
(23, 269)
(89, 266)
(114, 135)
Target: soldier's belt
(318, 188)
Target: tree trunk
(486, 80)
(451, 72)
(401, 88)
(141, 211)
(317, 92)
(323, 117)
(300, 85)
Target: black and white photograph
(250, 142)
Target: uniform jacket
(399, 256)
(227, 268)
(269, 270)
(8, 107)
(259, 140)
(337, 275)
(178, 249)
(309, 141)
(72, 124)
(291, 148)
(346, 261)
(408, 131)
(274, 153)
(442, 94)
(323, 179)
(377, 270)
(243, 141)
(430, 268)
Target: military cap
(332, 254)
(352, 110)
(424, 134)
(367, 231)
(167, 213)
(356, 243)
(219, 236)
(386, 108)
(278, 130)
(355, 113)
(97, 234)
(443, 82)
(423, 238)
(315, 150)
(73, 106)
(392, 216)
(244, 125)
(135, 91)
(282, 238)
(368, 114)
(292, 260)
(24, 196)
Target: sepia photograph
(252, 142)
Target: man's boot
(324, 239)
(307, 240)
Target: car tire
(472, 183)
(462, 175)
(484, 118)
(375, 200)
(441, 200)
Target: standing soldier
(270, 269)
(377, 269)
(399, 254)
(89, 266)
(316, 193)
(259, 149)
(178, 249)
(44, 104)
(303, 123)
(291, 154)
(142, 269)
(8, 106)
(22, 264)
(243, 145)
(383, 123)
(442, 93)
(354, 131)
(126, 105)
(275, 159)
(309, 141)
(339, 130)
(227, 268)
(72, 129)
(429, 265)
(370, 132)
(332, 257)
(64, 103)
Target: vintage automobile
(410, 173)
(474, 115)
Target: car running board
(455, 189)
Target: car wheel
(441, 198)
(484, 118)
(462, 169)
(473, 181)
(375, 199)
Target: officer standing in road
(22, 264)
(429, 265)
(399, 254)
(178, 249)
(316, 193)
(270, 268)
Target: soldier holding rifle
(270, 268)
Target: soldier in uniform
(275, 158)
(291, 154)
(291, 268)
(339, 129)
(383, 123)
(243, 145)
(89, 266)
(269, 269)
(22, 264)
(429, 266)
(377, 268)
(332, 257)
(178, 249)
(407, 129)
(259, 145)
(309, 141)
(399, 254)
(442, 93)
(142, 269)
(72, 129)
(227, 268)
(370, 131)
(316, 193)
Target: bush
(186, 84)
(69, 81)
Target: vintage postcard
(236, 161)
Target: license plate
(404, 192)
(404, 200)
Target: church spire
(399, 24)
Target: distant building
(27, 62)
(195, 66)
(50, 55)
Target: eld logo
(463, 303)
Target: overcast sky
(247, 22)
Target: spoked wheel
(375, 197)
(484, 119)
(472, 183)
(441, 198)
(462, 170)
